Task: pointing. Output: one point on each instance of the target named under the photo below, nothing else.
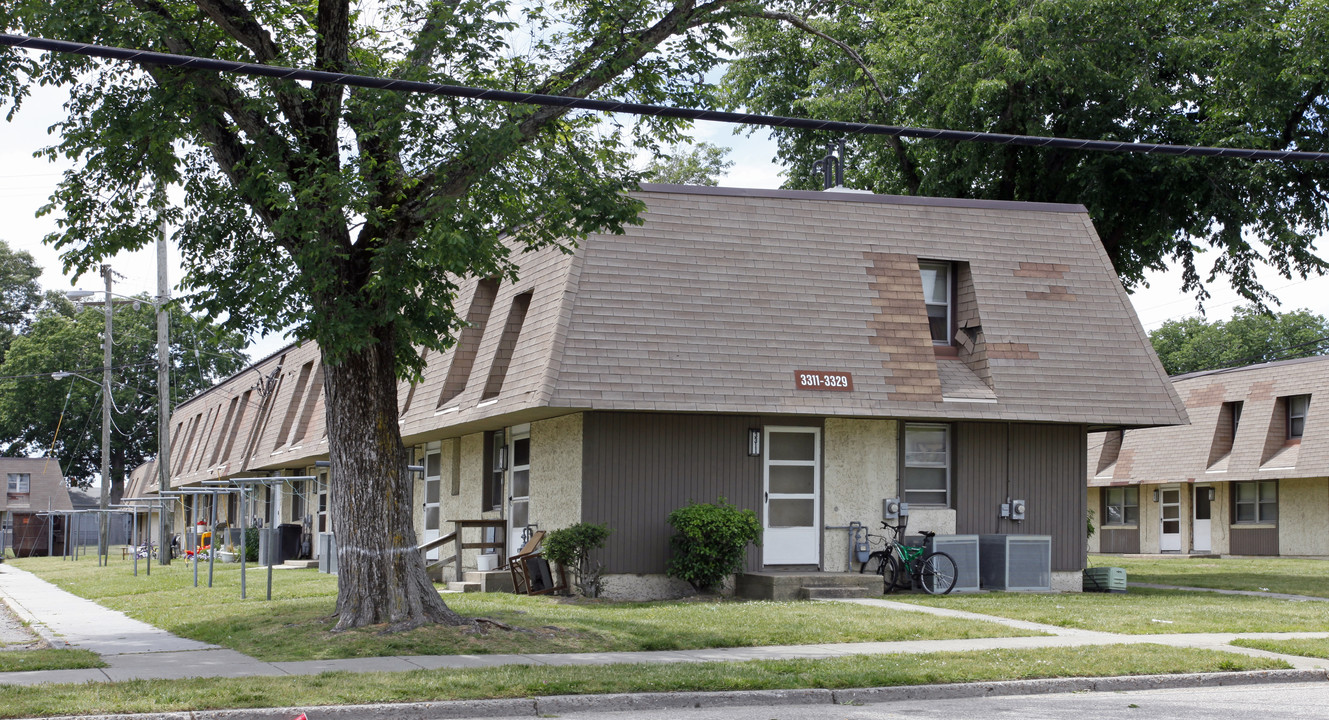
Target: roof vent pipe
(831, 166)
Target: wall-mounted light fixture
(1155, 495)
(754, 442)
(501, 459)
(1211, 494)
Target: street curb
(561, 704)
(33, 623)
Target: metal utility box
(963, 549)
(1105, 579)
(1015, 562)
(327, 553)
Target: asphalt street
(1295, 701)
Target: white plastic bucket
(486, 563)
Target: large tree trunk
(380, 575)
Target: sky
(26, 184)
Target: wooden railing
(457, 538)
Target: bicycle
(900, 564)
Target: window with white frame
(19, 483)
(1121, 506)
(1297, 405)
(927, 464)
(1255, 502)
(937, 297)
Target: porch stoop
(796, 585)
(490, 581)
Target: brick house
(805, 355)
(32, 486)
(1248, 476)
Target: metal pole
(103, 548)
(272, 525)
(134, 545)
(193, 539)
(163, 386)
(212, 545)
(147, 527)
(244, 535)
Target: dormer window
(937, 284)
(19, 483)
(1297, 405)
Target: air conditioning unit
(1015, 562)
(963, 549)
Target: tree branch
(907, 167)
(581, 77)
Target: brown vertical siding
(638, 467)
(1254, 541)
(1045, 466)
(1119, 540)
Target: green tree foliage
(709, 542)
(61, 339)
(19, 292)
(1250, 337)
(351, 215)
(700, 164)
(572, 546)
(1238, 74)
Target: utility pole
(103, 547)
(163, 395)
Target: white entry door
(433, 491)
(792, 479)
(1200, 536)
(519, 488)
(1169, 513)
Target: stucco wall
(1095, 504)
(1148, 519)
(556, 448)
(1302, 504)
(861, 470)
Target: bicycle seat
(927, 534)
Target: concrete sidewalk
(135, 650)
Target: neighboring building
(33, 487)
(1248, 476)
(805, 355)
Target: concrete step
(298, 564)
(466, 587)
(490, 581)
(833, 591)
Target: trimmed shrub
(571, 547)
(251, 545)
(709, 542)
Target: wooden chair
(530, 574)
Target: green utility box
(1105, 579)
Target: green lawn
(1295, 576)
(295, 625)
(1144, 612)
(1318, 648)
(64, 659)
(530, 681)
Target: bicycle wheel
(891, 571)
(874, 561)
(936, 573)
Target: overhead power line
(616, 106)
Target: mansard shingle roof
(721, 296)
(1205, 451)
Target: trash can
(290, 541)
